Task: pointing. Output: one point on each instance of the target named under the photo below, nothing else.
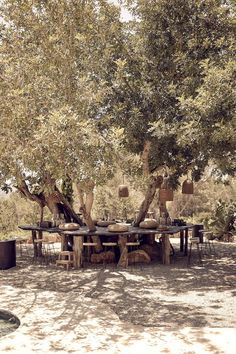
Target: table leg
(40, 237)
(64, 242)
(34, 236)
(165, 249)
(186, 242)
(181, 241)
(78, 249)
(123, 261)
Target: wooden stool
(133, 245)
(109, 244)
(66, 258)
(88, 246)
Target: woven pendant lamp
(123, 190)
(166, 194)
(187, 186)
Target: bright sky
(125, 14)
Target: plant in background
(222, 221)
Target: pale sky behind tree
(125, 14)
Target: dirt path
(151, 309)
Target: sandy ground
(143, 309)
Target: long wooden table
(78, 235)
(122, 238)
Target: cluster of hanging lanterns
(166, 193)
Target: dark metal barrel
(7, 254)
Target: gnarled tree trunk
(50, 197)
(155, 182)
(86, 207)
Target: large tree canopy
(56, 63)
(73, 78)
(175, 85)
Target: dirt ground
(141, 309)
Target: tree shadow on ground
(174, 296)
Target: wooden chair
(49, 251)
(66, 258)
(39, 256)
(207, 244)
(22, 245)
(194, 241)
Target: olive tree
(56, 61)
(174, 89)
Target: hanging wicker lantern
(123, 191)
(166, 195)
(187, 187)
(165, 192)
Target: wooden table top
(103, 231)
(83, 231)
(39, 228)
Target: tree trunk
(68, 210)
(86, 207)
(41, 213)
(52, 203)
(144, 158)
(123, 261)
(155, 182)
(53, 199)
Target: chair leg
(172, 249)
(199, 253)
(213, 248)
(20, 248)
(189, 253)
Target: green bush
(223, 218)
(15, 211)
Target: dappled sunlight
(104, 308)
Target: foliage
(56, 68)
(15, 211)
(222, 221)
(109, 205)
(67, 189)
(175, 85)
(82, 93)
